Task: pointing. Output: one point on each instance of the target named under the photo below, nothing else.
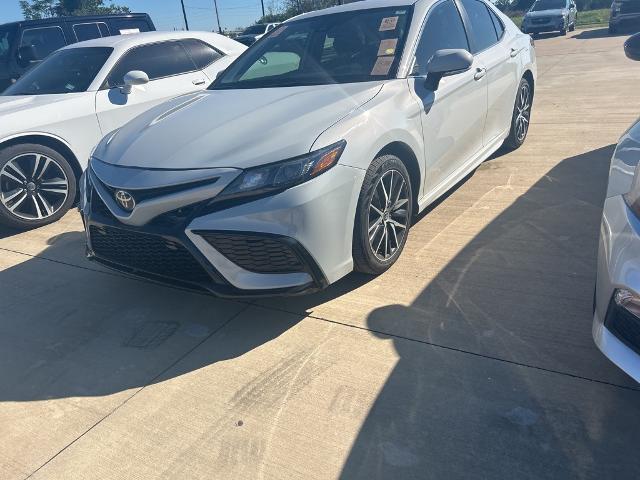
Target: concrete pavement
(472, 357)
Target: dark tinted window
(497, 23)
(67, 71)
(104, 30)
(43, 40)
(203, 54)
(6, 42)
(128, 25)
(86, 31)
(443, 29)
(157, 61)
(482, 30)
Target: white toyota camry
(309, 155)
(55, 114)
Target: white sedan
(54, 115)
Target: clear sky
(167, 14)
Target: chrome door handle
(200, 81)
(515, 51)
(480, 73)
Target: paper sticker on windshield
(388, 23)
(387, 47)
(278, 31)
(382, 66)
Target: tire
(613, 29)
(563, 32)
(374, 253)
(521, 116)
(37, 186)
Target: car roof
(362, 5)
(125, 42)
(74, 19)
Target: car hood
(16, 103)
(232, 128)
(546, 13)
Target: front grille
(147, 253)
(540, 21)
(256, 253)
(624, 325)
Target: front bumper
(293, 242)
(550, 25)
(618, 268)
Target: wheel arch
(407, 156)
(528, 74)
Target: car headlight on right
(278, 176)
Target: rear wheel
(37, 186)
(521, 115)
(383, 216)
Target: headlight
(282, 175)
(632, 198)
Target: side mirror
(632, 47)
(27, 55)
(134, 77)
(446, 62)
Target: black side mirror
(27, 55)
(446, 62)
(632, 47)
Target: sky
(167, 14)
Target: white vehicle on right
(616, 318)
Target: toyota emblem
(125, 200)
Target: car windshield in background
(6, 37)
(65, 71)
(255, 30)
(548, 5)
(355, 46)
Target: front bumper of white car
(295, 241)
(616, 329)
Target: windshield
(356, 46)
(65, 71)
(6, 37)
(548, 5)
(255, 30)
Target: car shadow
(493, 353)
(603, 33)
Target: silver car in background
(310, 154)
(616, 321)
(550, 16)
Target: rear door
(171, 72)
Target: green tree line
(35, 9)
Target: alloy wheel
(523, 111)
(33, 186)
(388, 215)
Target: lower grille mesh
(148, 253)
(255, 253)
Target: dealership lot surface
(471, 357)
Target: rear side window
(497, 23)
(443, 29)
(43, 40)
(482, 30)
(202, 53)
(157, 61)
(88, 31)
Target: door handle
(480, 73)
(199, 81)
(515, 51)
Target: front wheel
(37, 186)
(521, 116)
(383, 215)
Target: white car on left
(55, 114)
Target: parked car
(550, 16)
(57, 112)
(624, 12)
(616, 318)
(25, 43)
(255, 32)
(309, 156)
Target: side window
(443, 29)
(482, 30)
(104, 30)
(88, 31)
(43, 40)
(497, 23)
(201, 53)
(157, 61)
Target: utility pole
(184, 14)
(215, 4)
(262, 3)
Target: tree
(35, 9)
